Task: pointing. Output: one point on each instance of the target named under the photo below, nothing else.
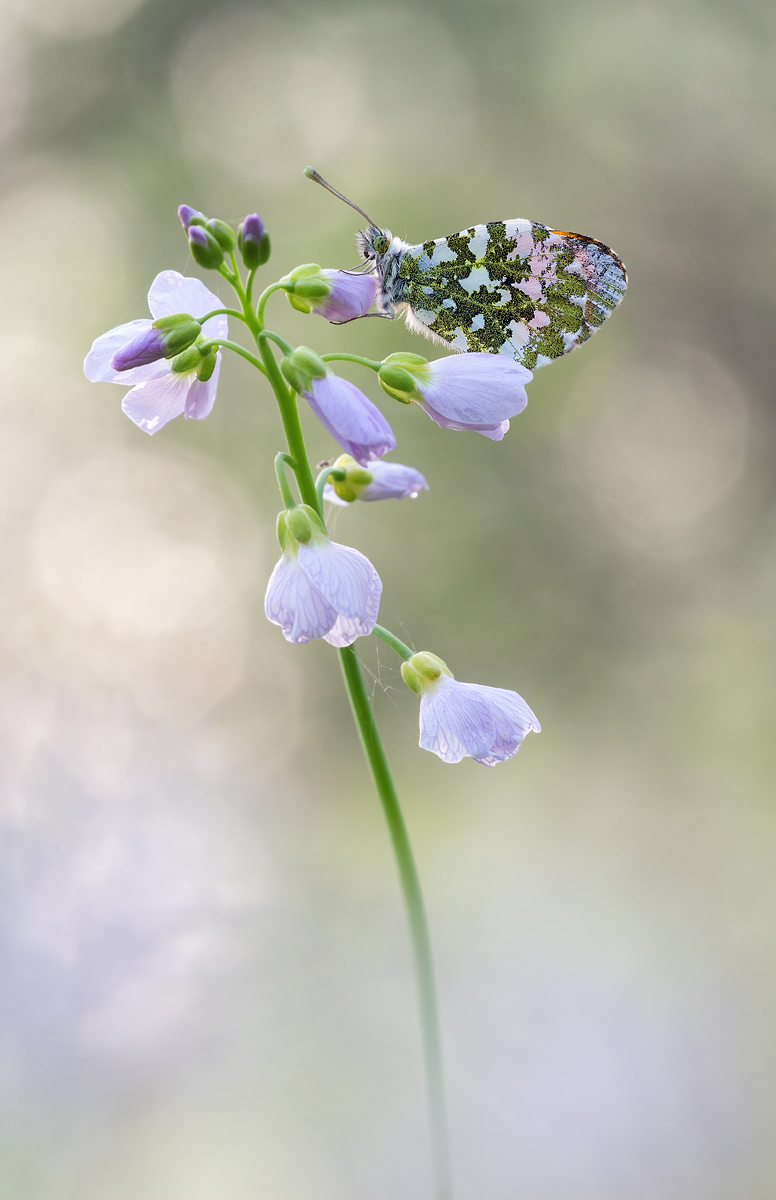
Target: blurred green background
(207, 990)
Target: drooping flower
(163, 389)
(320, 589)
(380, 481)
(339, 296)
(466, 720)
(476, 391)
(348, 415)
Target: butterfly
(514, 287)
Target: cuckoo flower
(349, 416)
(161, 389)
(466, 720)
(319, 588)
(477, 392)
(380, 481)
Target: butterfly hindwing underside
(508, 287)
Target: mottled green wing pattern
(512, 287)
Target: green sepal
(209, 256)
(172, 321)
(207, 366)
(189, 360)
(428, 667)
(282, 531)
(404, 359)
(292, 377)
(411, 678)
(311, 289)
(298, 525)
(254, 254)
(304, 272)
(300, 305)
(223, 233)
(181, 338)
(308, 362)
(398, 383)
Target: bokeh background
(206, 986)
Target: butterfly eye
(380, 243)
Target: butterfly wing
(511, 287)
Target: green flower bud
(223, 233)
(205, 249)
(253, 241)
(411, 679)
(398, 382)
(207, 366)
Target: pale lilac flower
(477, 391)
(320, 589)
(350, 417)
(466, 720)
(158, 394)
(379, 481)
(350, 296)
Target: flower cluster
(320, 589)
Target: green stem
(216, 312)
(326, 474)
(264, 297)
(354, 358)
(238, 349)
(285, 346)
(289, 414)
(394, 642)
(416, 917)
(280, 460)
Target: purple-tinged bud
(223, 233)
(205, 250)
(253, 241)
(165, 338)
(190, 216)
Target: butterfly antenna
(311, 173)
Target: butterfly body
(515, 287)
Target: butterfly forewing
(512, 287)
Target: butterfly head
(373, 243)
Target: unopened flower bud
(165, 338)
(223, 233)
(190, 216)
(205, 250)
(253, 241)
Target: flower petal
(350, 417)
(351, 296)
(97, 366)
(477, 389)
(296, 605)
(202, 394)
(152, 405)
(392, 481)
(345, 577)
(494, 432)
(512, 719)
(172, 292)
(455, 721)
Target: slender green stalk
(394, 642)
(285, 491)
(326, 474)
(216, 312)
(238, 349)
(365, 723)
(354, 358)
(416, 917)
